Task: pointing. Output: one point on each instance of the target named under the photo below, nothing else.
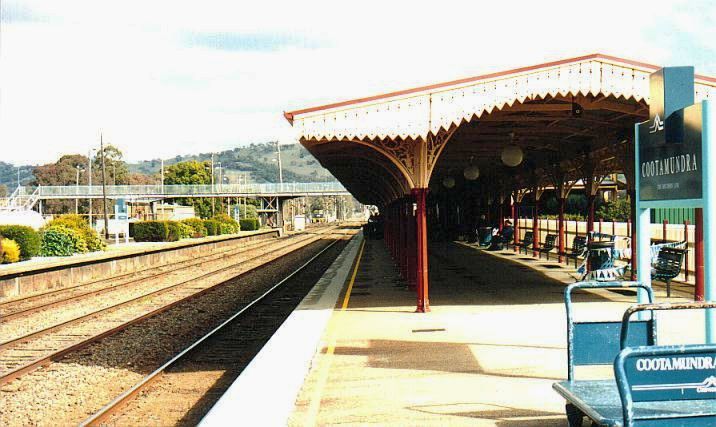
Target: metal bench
(642, 393)
(579, 249)
(527, 241)
(548, 245)
(668, 265)
(484, 236)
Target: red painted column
(590, 214)
(516, 223)
(535, 228)
(412, 257)
(403, 254)
(423, 305)
(560, 227)
(500, 214)
(699, 254)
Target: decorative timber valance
(418, 112)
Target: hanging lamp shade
(512, 155)
(448, 182)
(471, 172)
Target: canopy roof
(401, 135)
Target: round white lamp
(448, 182)
(471, 172)
(512, 155)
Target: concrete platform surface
(487, 354)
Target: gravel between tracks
(188, 389)
(136, 287)
(21, 353)
(68, 391)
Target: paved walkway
(487, 354)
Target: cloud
(161, 78)
(248, 42)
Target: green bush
(150, 231)
(249, 224)
(616, 210)
(197, 225)
(213, 227)
(185, 230)
(81, 226)
(157, 231)
(229, 225)
(173, 231)
(59, 240)
(28, 239)
(9, 251)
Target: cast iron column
(560, 226)
(422, 250)
(699, 254)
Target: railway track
(28, 352)
(30, 304)
(202, 370)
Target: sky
(161, 78)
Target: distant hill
(258, 161)
(8, 175)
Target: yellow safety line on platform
(326, 365)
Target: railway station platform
(487, 353)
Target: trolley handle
(660, 307)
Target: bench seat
(599, 400)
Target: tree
(142, 179)
(616, 210)
(193, 173)
(3, 190)
(116, 169)
(64, 172)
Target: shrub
(10, 251)
(185, 230)
(617, 210)
(150, 231)
(230, 224)
(157, 231)
(28, 239)
(213, 227)
(82, 227)
(249, 224)
(173, 231)
(59, 240)
(197, 225)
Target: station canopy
(569, 118)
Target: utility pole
(77, 186)
(212, 183)
(104, 189)
(89, 182)
(280, 167)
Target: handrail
(189, 190)
(654, 307)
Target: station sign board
(670, 142)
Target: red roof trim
(291, 114)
